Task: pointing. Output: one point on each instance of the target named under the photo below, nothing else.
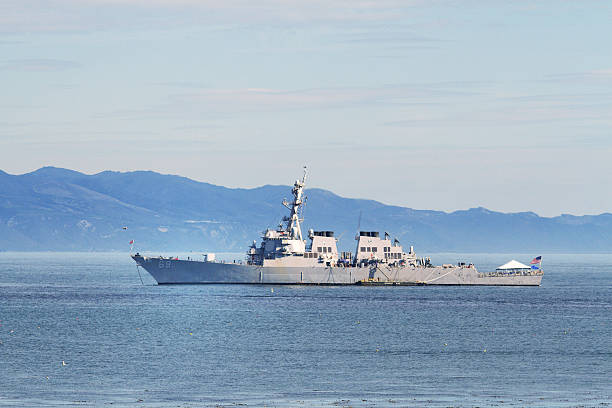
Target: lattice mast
(293, 221)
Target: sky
(441, 105)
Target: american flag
(536, 260)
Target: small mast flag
(132, 242)
(536, 260)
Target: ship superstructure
(284, 257)
(285, 244)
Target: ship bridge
(322, 245)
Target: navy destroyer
(284, 257)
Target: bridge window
(328, 249)
(362, 249)
(374, 249)
(319, 249)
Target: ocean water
(123, 343)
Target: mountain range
(54, 209)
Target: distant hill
(63, 210)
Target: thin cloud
(602, 73)
(216, 104)
(319, 98)
(38, 65)
(22, 16)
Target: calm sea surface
(128, 344)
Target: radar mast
(293, 221)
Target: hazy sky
(428, 104)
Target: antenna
(357, 239)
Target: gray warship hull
(174, 271)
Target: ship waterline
(284, 257)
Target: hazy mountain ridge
(61, 210)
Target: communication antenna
(358, 226)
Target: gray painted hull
(171, 271)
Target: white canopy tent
(512, 265)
